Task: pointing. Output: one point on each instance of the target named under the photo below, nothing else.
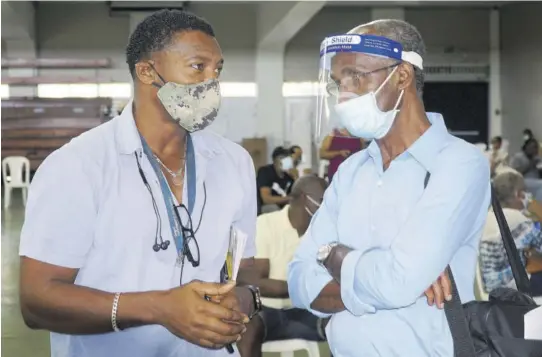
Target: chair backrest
(17, 165)
(479, 284)
(481, 146)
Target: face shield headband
(353, 49)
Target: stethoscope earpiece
(164, 245)
(156, 247)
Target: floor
(17, 339)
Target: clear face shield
(350, 80)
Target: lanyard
(174, 224)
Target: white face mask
(287, 163)
(526, 199)
(526, 137)
(362, 117)
(313, 201)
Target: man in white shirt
(278, 235)
(116, 238)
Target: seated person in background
(273, 181)
(497, 156)
(277, 236)
(494, 266)
(337, 147)
(527, 162)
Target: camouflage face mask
(193, 106)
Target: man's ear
(406, 76)
(145, 73)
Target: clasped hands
(206, 314)
(436, 294)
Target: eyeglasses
(355, 77)
(190, 244)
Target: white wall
(87, 30)
(521, 65)
(453, 35)
(82, 30)
(70, 29)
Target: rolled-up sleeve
(60, 212)
(306, 278)
(452, 208)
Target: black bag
(494, 328)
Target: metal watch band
(256, 296)
(114, 313)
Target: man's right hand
(186, 313)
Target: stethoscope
(159, 242)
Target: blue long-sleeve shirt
(403, 237)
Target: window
(115, 90)
(300, 89)
(4, 91)
(238, 89)
(87, 90)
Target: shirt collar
(129, 141)
(426, 148)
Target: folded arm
(450, 210)
(309, 283)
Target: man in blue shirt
(397, 213)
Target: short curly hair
(155, 32)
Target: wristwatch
(257, 300)
(324, 252)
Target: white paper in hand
(533, 324)
(236, 248)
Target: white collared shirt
(276, 240)
(89, 209)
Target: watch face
(323, 252)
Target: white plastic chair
(286, 348)
(322, 168)
(17, 165)
(481, 146)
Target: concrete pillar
(277, 22)
(495, 96)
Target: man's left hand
(439, 291)
(238, 299)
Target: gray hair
(507, 185)
(404, 33)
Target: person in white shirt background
(278, 234)
(127, 226)
(498, 156)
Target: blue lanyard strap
(175, 225)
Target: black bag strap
(459, 328)
(518, 270)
